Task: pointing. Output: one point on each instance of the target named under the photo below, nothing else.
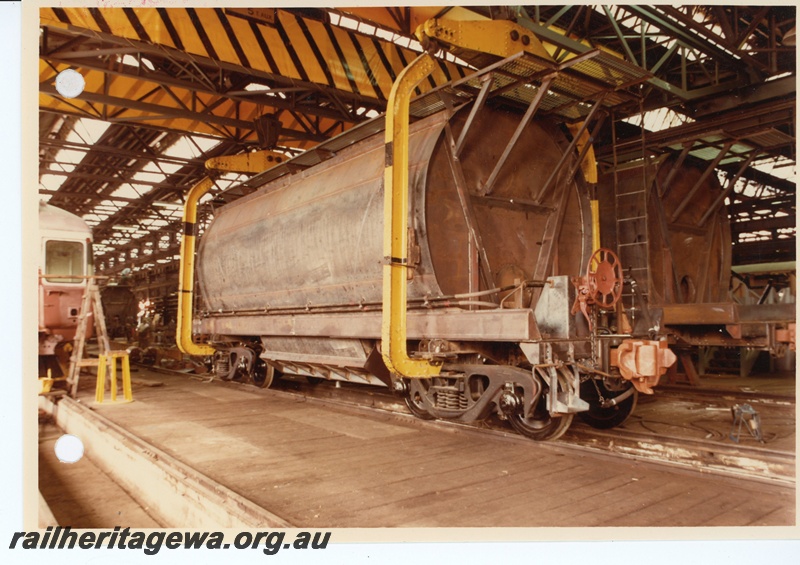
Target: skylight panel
(779, 167)
(90, 131)
(149, 176)
(51, 182)
(70, 156)
(659, 120)
(132, 190)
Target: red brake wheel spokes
(606, 278)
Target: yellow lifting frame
(496, 37)
(253, 162)
(502, 38)
(395, 226)
(186, 275)
(249, 163)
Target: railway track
(682, 427)
(679, 428)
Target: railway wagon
(671, 238)
(672, 230)
(508, 292)
(65, 263)
(120, 308)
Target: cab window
(64, 258)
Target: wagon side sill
(490, 325)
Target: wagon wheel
(605, 273)
(595, 391)
(541, 425)
(263, 375)
(414, 399)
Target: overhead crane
(165, 75)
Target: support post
(676, 166)
(186, 275)
(395, 226)
(569, 149)
(595, 208)
(479, 260)
(479, 102)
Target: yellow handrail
(186, 276)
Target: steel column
(476, 242)
(479, 102)
(676, 166)
(571, 147)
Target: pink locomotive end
(65, 262)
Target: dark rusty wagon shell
(310, 244)
(503, 280)
(685, 245)
(291, 276)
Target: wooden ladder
(91, 306)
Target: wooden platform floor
(323, 466)
(82, 495)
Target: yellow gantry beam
(589, 168)
(395, 226)
(498, 38)
(501, 38)
(595, 208)
(253, 162)
(248, 162)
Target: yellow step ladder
(92, 306)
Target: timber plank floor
(82, 495)
(324, 466)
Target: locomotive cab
(65, 263)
